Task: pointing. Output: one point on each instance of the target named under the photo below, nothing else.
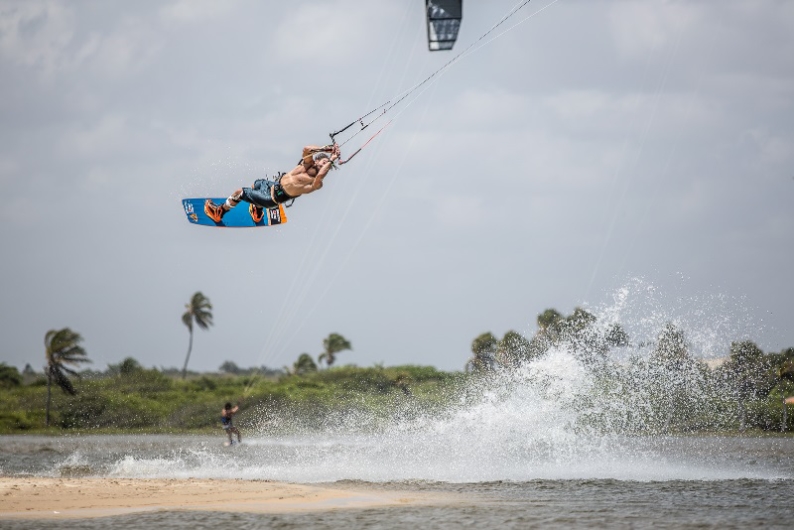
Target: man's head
(321, 159)
(228, 406)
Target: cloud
(22, 211)
(460, 211)
(37, 33)
(44, 35)
(331, 33)
(106, 137)
(9, 167)
(640, 27)
(98, 178)
(657, 135)
(576, 105)
(188, 11)
(124, 51)
(478, 108)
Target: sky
(631, 157)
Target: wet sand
(63, 498)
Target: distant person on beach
(226, 421)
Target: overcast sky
(635, 158)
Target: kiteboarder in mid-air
(305, 178)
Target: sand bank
(59, 498)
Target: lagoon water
(630, 482)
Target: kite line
(388, 105)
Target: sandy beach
(59, 498)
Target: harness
(279, 195)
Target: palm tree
(333, 344)
(483, 349)
(61, 349)
(549, 319)
(671, 351)
(785, 375)
(747, 369)
(199, 310)
(9, 376)
(513, 349)
(304, 365)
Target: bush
(194, 416)
(16, 421)
(84, 411)
(201, 384)
(143, 381)
(9, 376)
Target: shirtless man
(226, 422)
(307, 177)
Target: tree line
(669, 374)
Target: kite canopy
(443, 23)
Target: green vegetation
(656, 388)
(9, 376)
(128, 397)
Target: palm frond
(199, 301)
(62, 348)
(199, 310)
(68, 371)
(203, 319)
(336, 343)
(73, 355)
(187, 318)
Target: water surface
(632, 482)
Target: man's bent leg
(259, 194)
(216, 212)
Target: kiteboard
(236, 217)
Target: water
(542, 504)
(667, 482)
(374, 459)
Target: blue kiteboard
(236, 217)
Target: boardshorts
(260, 193)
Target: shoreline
(83, 498)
